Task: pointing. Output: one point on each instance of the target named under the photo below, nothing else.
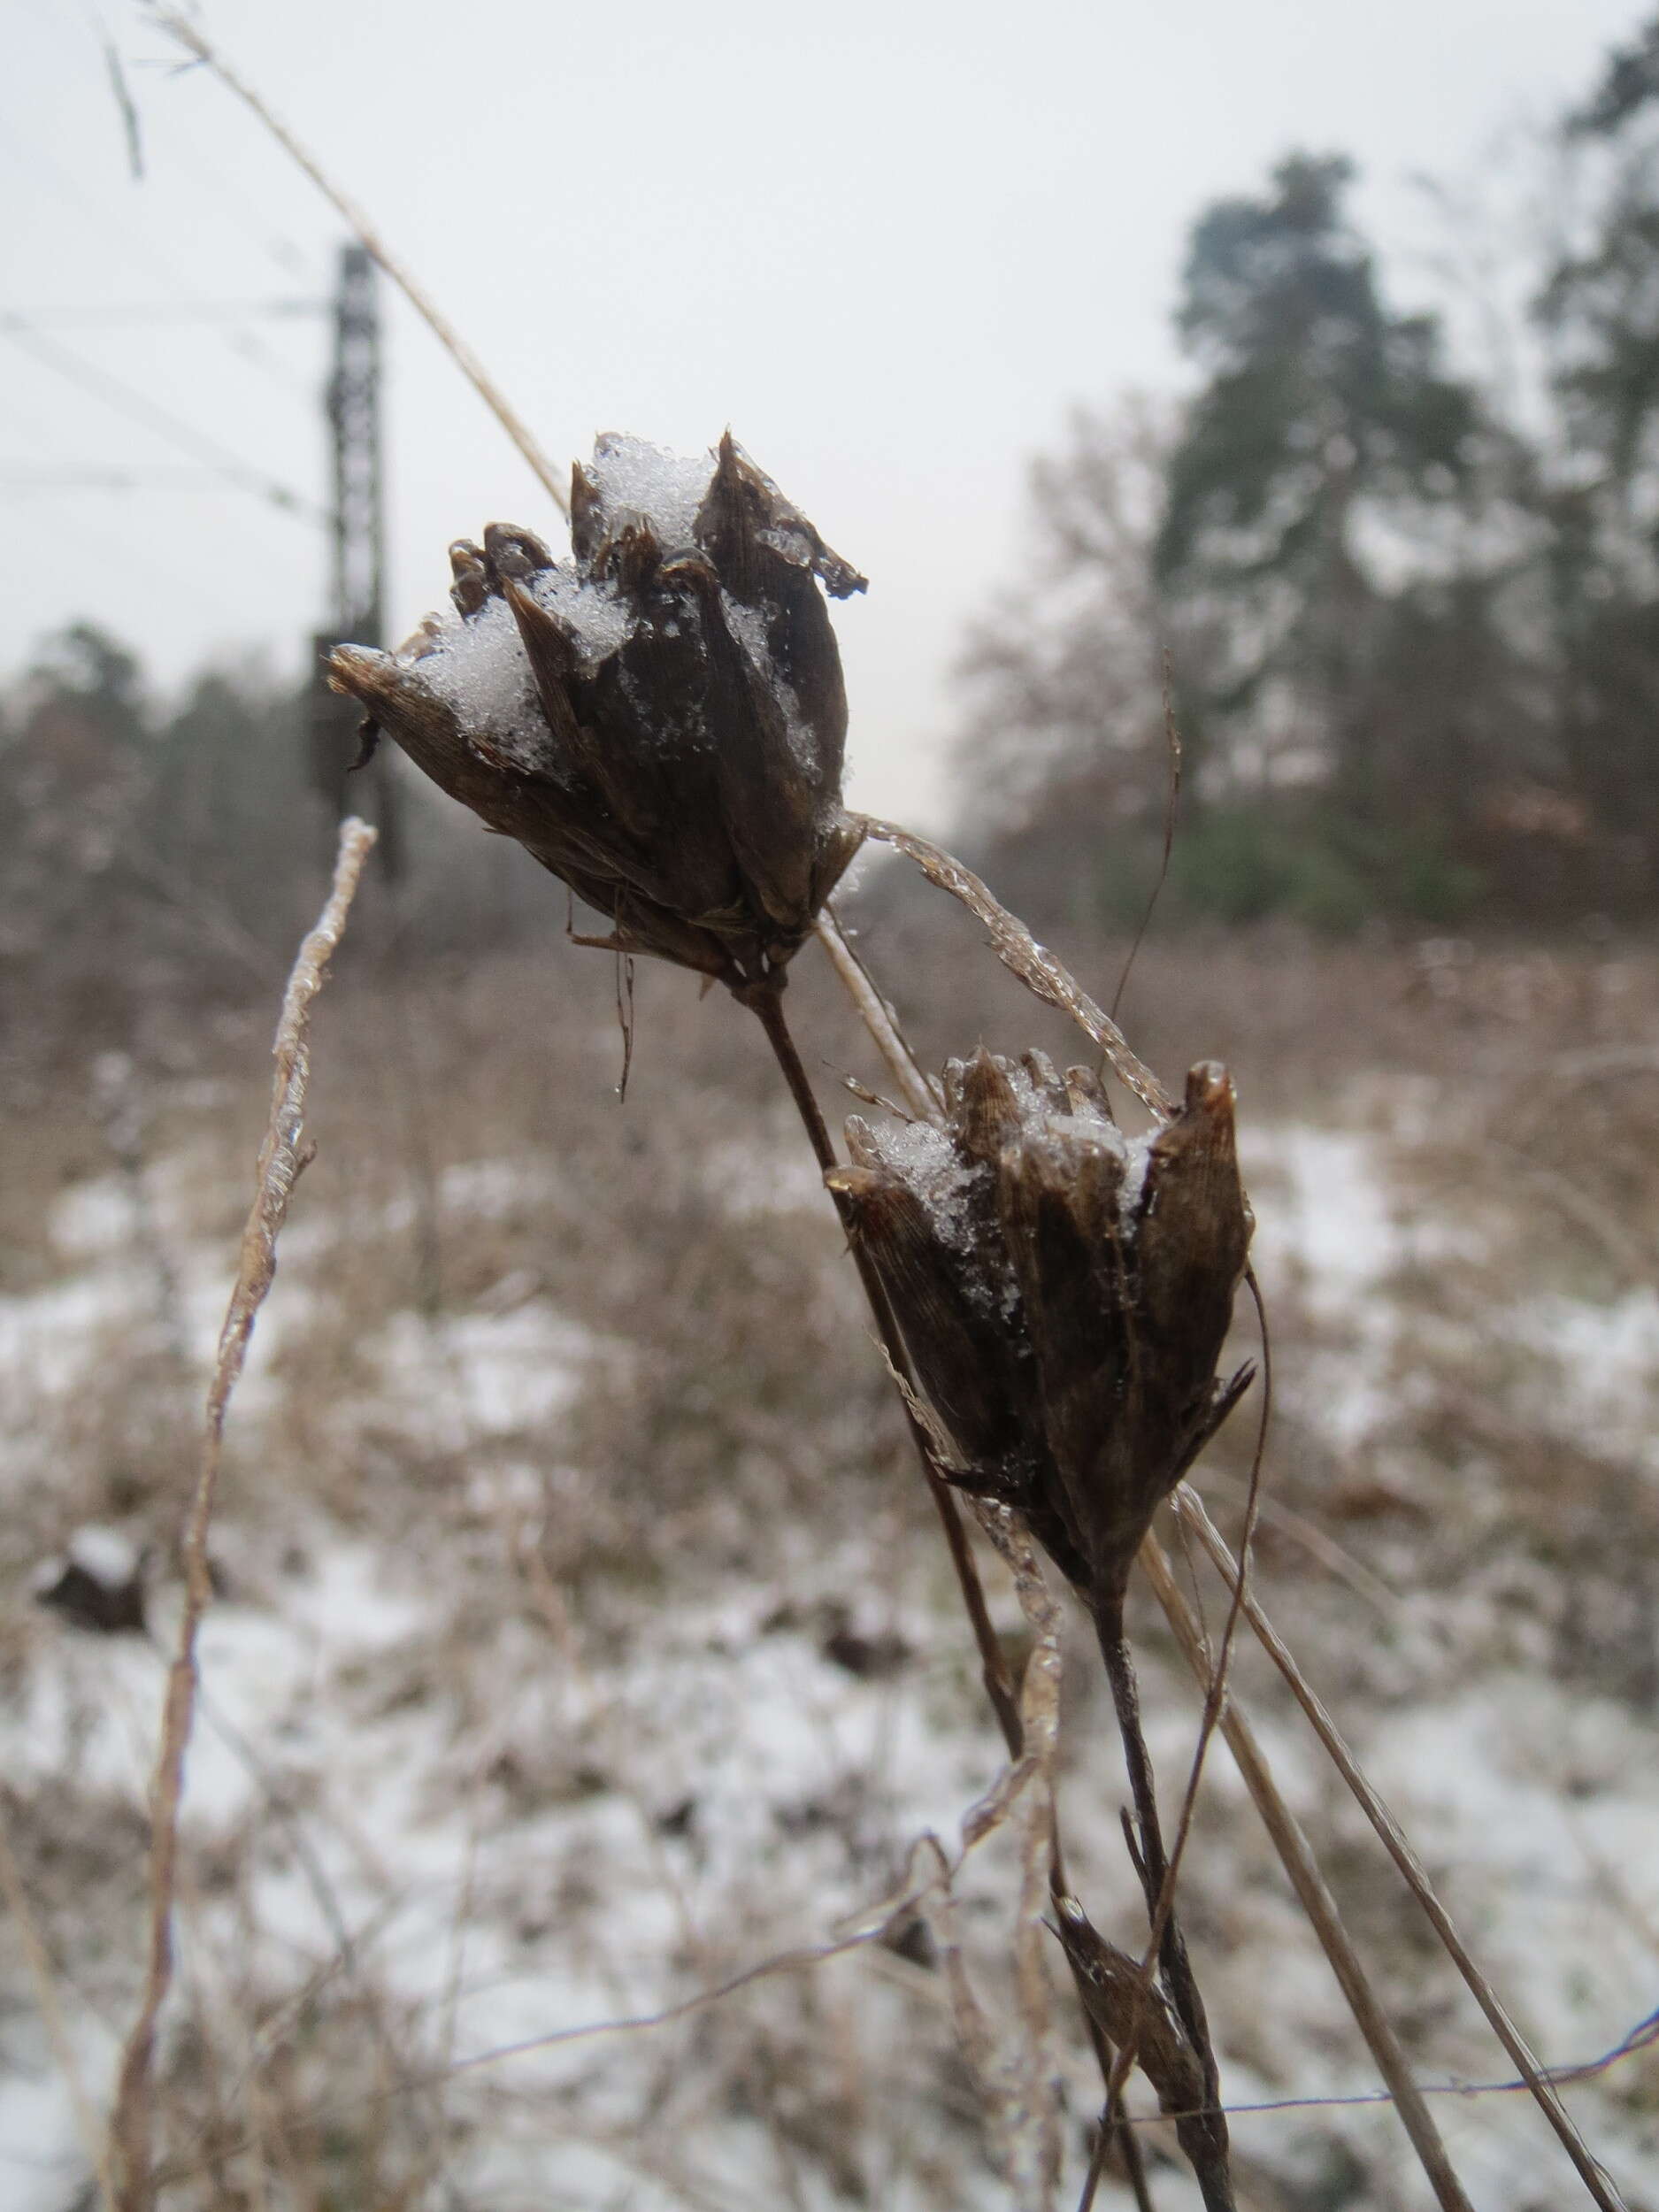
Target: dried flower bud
(1063, 1291)
(659, 720)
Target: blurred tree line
(1408, 633)
(154, 858)
(1408, 630)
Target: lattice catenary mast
(358, 521)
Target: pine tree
(1327, 446)
(1600, 308)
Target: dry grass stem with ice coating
(281, 1159)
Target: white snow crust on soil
(524, 1838)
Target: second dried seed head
(1063, 1291)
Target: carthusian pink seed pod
(1063, 1293)
(660, 719)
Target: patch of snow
(107, 1555)
(478, 667)
(95, 1217)
(752, 1178)
(467, 1376)
(1602, 1366)
(646, 483)
(927, 1162)
(1329, 1209)
(495, 1190)
(597, 620)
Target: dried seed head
(659, 720)
(1063, 1291)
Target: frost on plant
(659, 720)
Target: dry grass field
(583, 1640)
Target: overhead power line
(122, 397)
(111, 480)
(227, 192)
(118, 313)
(42, 168)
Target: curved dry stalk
(1021, 2088)
(1160, 1886)
(767, 1007)
(195, 42)
(1045, 977)
(1190, 1511)
(875, 1014)
(281, 1159)
(38, 1959)
(1296, 1856)
(1203, 2134)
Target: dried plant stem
(767, 1005)
(1044, 975)
(768, 1009)
(40, 1967)
(1113, 2059)
(1203, 2136)
(877, 1016)
(1297, 1858)
(190, 37)
(1191, 1513)
(281, 1160)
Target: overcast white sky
(888, 243)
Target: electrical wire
(126, 400)
(43, 168)
(282, 251)
(125, 313)
(111, 480)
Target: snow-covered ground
(460, 1796)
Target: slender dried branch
(993, 1672)
(1190, 1511)
(195, 42)
(1159, 1876)
(1296, 1856)
(876, 1016)
(40, 1966)
(768, 1008)
(281, 1160)
(1115, 2058)
(1018, 2079)
(1044, 975)
(1139, 2006)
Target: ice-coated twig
(40, 1966)
(875, 1014)
(1045, 977)
(282, 1158)
(1023, 2085)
